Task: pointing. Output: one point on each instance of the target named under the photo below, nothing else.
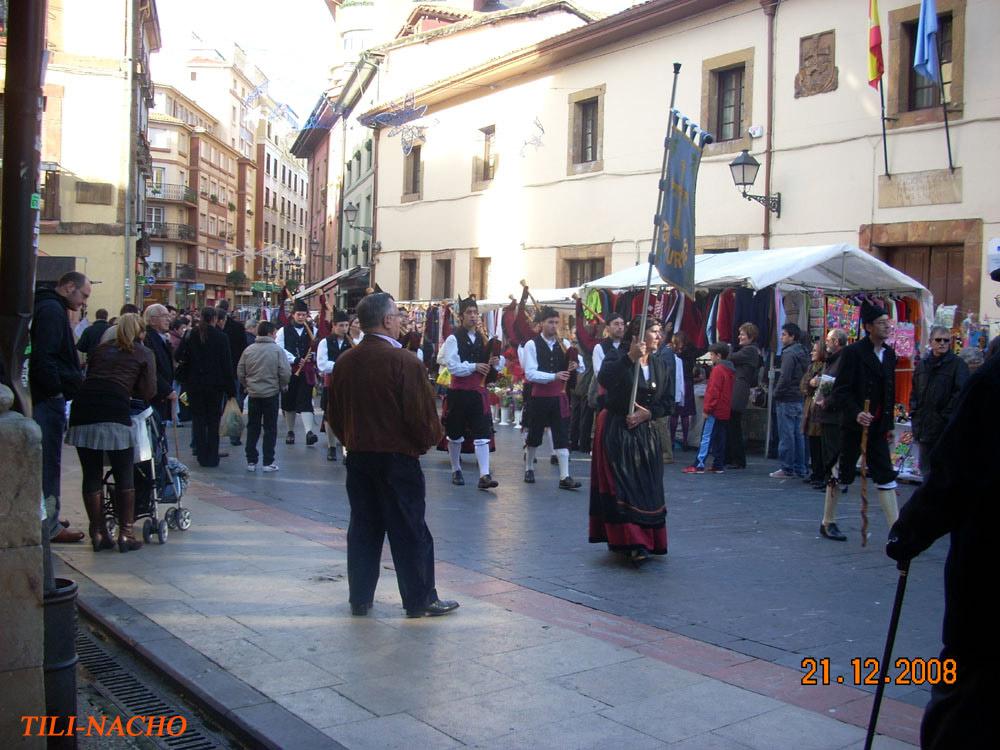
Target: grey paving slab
(323, 707)
(291, 676)
(709, 741)
(397, 732)
(790, 726)
(235, 654)
(438, 685)
(686, 712)
(494, 714)
(587, 732)
(629, 682)
(558, 658)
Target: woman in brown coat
(811, 425)
(100, 423)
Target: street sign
(150, 279)
(147, 292)
(36, 201)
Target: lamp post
(744, 168)
(351, 215)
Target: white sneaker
(251, 467)
(270, 467)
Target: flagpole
(885, 147)
(944, 102)
(656, 229)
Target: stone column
(22, 685)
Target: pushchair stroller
(159, 479)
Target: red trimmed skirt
(608, 523)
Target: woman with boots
(100, 423)
(811, 424)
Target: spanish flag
(876, 67)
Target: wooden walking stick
(174, 414)
(864, 481)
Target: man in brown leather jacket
(382, 408)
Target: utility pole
(21, 200)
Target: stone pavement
(249, 609)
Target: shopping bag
(444, 377)
(232, 423)
(140, 437)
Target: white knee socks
(482, 455)
(290, 420)
(308, 421)
(455, 454)
(563, 455)
(890, 505)
(529, 457)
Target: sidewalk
(249, 609)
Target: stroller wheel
(171, 518)
(147, 530)
(183, 519)
(162, 531)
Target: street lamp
(744, 168)
(351, 215)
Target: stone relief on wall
(817, 73)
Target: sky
(291, 41)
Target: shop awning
(331, 281)
(832, 268)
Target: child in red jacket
(717, 408)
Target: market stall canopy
(330, 282)
(553, 297)
(832, 268)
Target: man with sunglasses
(938, 378)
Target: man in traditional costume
(867, 376)
(469, 361)
(297, 338)
(327, 352)
(549, 370)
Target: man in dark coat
(868, 376)
(937, 381)
(91, 335)
(958, 497)
(55, 377)
(829, 421)
(157, 319)
(382, 408)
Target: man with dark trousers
(327, 352)
(868, 374)
(548, 370)
(465, 355)
(382, 409)
(296, 339)
(54, 377)
(157, 318)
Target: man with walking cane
(865, 392)
(959, 497)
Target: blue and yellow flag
(675, 224)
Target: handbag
(758, 397)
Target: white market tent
(832, 268)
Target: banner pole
(656, 229)
(885, 148)
(944, 102)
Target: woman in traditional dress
(627, 502)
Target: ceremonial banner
(674, 252)
(876, 66)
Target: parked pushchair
(159, 479)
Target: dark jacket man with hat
(868, 375)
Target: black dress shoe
(568, 484)
(223, 454)
(554, 460)
(819, 484)
(457, 478)
(486, 482)
(830, 531)
(529, 476)
(290, 438)
(331, 454)
(360, 610)
(434, 609)
(311, 438)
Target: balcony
(186, 272)
(162, 271)
(172, 193)
(181, 232)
